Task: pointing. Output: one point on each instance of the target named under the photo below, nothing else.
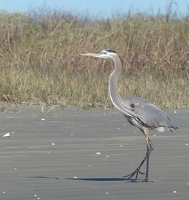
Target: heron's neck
(113, 85)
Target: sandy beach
(76, 154)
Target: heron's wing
(149, 114)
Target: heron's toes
(135, 173)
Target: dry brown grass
(40, 62)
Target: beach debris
(53, 144)
(98, 153)
(35, 195)
(106, 193)
(174, 192)
(6, 135)
(75, 177)
(42, 119)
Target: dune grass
(40, 61)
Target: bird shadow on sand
(43, 177)
(107, 179)
(93, 179)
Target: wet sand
(82, 155)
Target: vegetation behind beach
(40, 58)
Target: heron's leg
(150, 147)
(149, 150)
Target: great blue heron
(139, 112)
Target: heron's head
(107, 53)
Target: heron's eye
(103, 52)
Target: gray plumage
(139, 112)
(152, 116)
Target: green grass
(40, 62)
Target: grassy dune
(40, 62)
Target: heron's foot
(135, 173)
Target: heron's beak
(91, 54)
